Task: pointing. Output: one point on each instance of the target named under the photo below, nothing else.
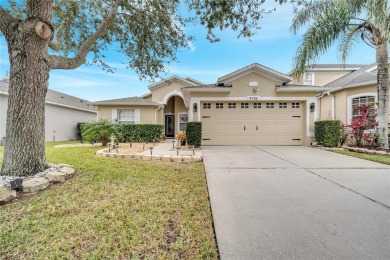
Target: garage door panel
(252, 126)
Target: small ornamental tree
(364, 126)
(101, 130)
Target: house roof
(186, 81)
(56, 98)
(360, 77)
(336, 66)
(133, 101)
(332, 67)
(259, 68)
(300, 88)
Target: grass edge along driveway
(112, 208)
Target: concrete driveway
(274, 202)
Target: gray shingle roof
(354, 78)
(335, 66)
(136, 101)
(55, 97)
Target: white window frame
(305, 78)
(270, 105)
(179, 121)
(349, 103)
(134, 118)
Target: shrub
(194, 133)
(142, 132)
(327, 132)
(79, 129)
(364, 126)
(100, 131)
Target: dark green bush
(327, 132)
(142, 132)
(79, 129)
(194, 133)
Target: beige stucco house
(254, 105)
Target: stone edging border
(141, 157)
(364, 150)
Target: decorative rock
(6, 194)
(177, 159)
(56, 176)
(156, 157)
(67, 170)
(35, 184)
(196, 158)
(166, 158)
(138, 156)
(186, 158)
(147, 158)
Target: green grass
(371, 157)
(112, 209)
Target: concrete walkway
(165, 149)
(273, 202)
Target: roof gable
(259, 69)
(186, 81)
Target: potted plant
(181, 137)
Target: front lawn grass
(112, 209)
(371, 157)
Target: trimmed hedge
(194, 133)
(142, 132)
(327, 132)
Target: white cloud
(191, 46)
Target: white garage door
(251, 123)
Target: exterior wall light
(312, 107)
(195, 107)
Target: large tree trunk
(382, 61)
(25, 134)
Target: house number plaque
(253, 98)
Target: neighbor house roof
(132, 101)
(56, 98)
(257, 68)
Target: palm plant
(101, 130)
(349, 21)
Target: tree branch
(56, 43)
(6, 20)
(59, 62)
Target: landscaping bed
(114, 209)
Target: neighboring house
(62, 113)
(254, 105)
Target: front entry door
(169, 125)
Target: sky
(273, 46)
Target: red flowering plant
(364, 125)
